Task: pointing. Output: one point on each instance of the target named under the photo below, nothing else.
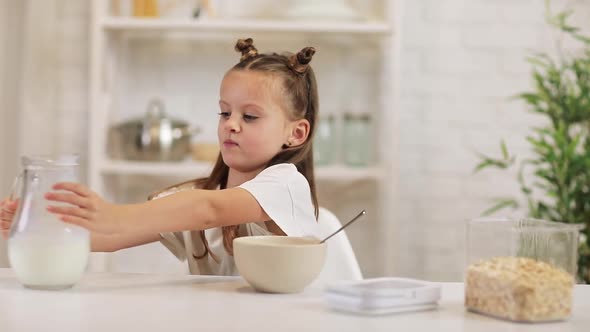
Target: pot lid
(155, 116)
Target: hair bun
(246, 47)
(304, 56)
(300, 62)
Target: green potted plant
(555, 181)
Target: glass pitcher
(44, 252)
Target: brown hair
(299, 85)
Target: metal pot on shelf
(155, 137)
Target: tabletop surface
(148, 302)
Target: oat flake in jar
(521, 269)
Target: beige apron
(189, 246)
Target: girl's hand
(89, 210)
(7, 211)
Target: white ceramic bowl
(279, 264)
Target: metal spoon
(345, 225)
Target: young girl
(261, 184)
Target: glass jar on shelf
(324, 150)
(357, 146)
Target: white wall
(4, 113)
(10, 34)
(461, 59)
(54, 77)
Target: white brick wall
(9, 90)
(64, 118)
(461, 59)
(55, 75)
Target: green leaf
(489, 162)
(538, 60)
(501, 204)
(504, 150)
(530, 98)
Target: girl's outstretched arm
(98, 242)
(188, 210)
(112, 242)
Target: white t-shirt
(282, 192)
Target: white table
(136, 302)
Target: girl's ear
(299, 133)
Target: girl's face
(253, 125)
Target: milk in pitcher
(48, 263)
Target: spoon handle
(363, 212)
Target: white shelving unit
(192, 169)
(126, 24)
(111, 36)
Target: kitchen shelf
(192, 169)
(182, 168)
(346, 173)
(127, 24)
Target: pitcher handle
(16, 188)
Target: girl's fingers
(11, 205)
(8, 205)
(5, 225)
(70, 211)
(6, 215)
(73, 187)
(7, 210)
(69, 198)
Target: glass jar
(357, 147)
(521, 269)
(324, 149)
(44, 252)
